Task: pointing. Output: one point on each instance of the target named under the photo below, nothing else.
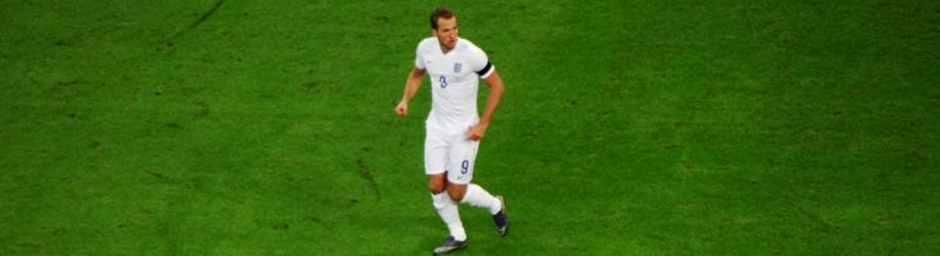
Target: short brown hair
(441, 12)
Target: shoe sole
(449, 251)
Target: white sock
(450, 214)
(477, 196)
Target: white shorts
(453, 154)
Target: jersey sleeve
(481, 63)
(419, 56)
(419, 60)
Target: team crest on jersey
(457, 67)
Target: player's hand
(402, 108)
(476, 132)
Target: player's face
(446, 33)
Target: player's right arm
(411, 86)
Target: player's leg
(463, 155)
(435, 157)
(447, 208)
(475, 195)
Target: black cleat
(450, 245)
(501, 219)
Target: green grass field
(628, 128)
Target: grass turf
(259, 128)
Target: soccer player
(454, 128)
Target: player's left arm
(496, 88)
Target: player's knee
(456, 194)
(436, 188)
(437, 184)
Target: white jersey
(455, 80)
